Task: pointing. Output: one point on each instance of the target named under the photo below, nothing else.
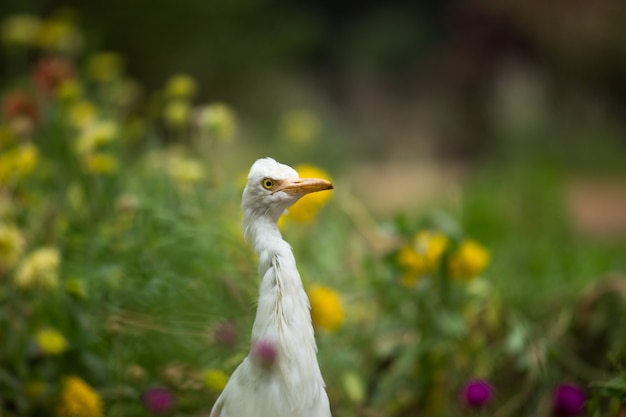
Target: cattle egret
(280, 377)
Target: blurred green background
(127, 129)
(449, 73)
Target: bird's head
(273, 187)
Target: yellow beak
(302, 186)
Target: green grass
(519, 209)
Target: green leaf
(452, 325)
(354, 387)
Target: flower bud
(477, 393)
(568, 400)
(265, 353)
(158, 400)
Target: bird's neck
(283, 315)
(277, 266)
(261, 231)
(283, 306)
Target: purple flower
(477, 393)
(264, 352)
(568, 400)
(158, 400)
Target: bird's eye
(268, 183)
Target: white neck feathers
(283, 310)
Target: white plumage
(281, 378)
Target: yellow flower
(181, 86)
(432, 245)
(177, 112)
(306, 209)
(217, 121)
(78, 399)
(51, 341)
(17, 163)
(408, 258)
(469, 260)
(326, 309)
(300, 126)
(83, 114)
(101, 163)
(174, 163)
(26, 158)
(422, 257)
(105, 66)
(215, 379)
(60, 34)
(412, 264)
(185, 170)
(69, 90)
(96, 134)
(20, 29)
(11, 246)
(39, 270)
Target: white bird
(280, 377)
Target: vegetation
(126, 288)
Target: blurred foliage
(126, 287)
(453, 53)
